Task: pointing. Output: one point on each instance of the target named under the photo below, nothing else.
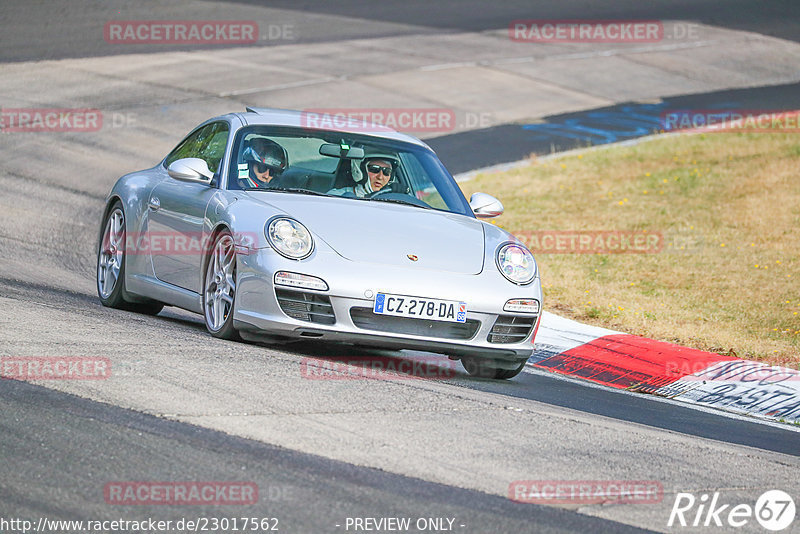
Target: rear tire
(489, 368)
(111, 266)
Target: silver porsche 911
(274, 231)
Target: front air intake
(511, 328)
(305, 306)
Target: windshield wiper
(399, 201)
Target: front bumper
(353, 286)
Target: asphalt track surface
(64, 430)
(52, 30)
(465, 151)
(59, 448)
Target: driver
(378, 171)
(375, 172)
(265, 160)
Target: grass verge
(725, 208)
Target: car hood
(383, 233)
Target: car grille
(365, 318)
(303, 306)
(511, 329)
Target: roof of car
(320, 119)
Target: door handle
(154, 203)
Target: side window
(207, 143)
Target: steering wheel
(379, 192)
(388, 194)
(391, 187)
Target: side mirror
(485, 206)
(190, 170)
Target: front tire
(111, 266)
(219, 288)
(489, 368)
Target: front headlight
(516, 263)
(289, 238)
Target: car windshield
(346, 165)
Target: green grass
(728, 208)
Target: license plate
(420, 308)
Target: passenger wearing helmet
(374, 173)
(266, 160)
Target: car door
(177, 210)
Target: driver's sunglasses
(387, 171)
(261, 168)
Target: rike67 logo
(774, 510)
